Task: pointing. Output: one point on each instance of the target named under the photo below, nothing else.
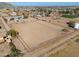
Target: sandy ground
(2, 32)
(4, 46)
(71, 50)
(4, 49)
(35, 33)
(60, 22)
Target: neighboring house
(18, 18)
(38, 15)
(76, 26)
(15, 18)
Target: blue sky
(45, 3)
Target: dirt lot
(2, 30)
(4, 49)
(37, 32)
(60, 22)
(71, 50)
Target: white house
(18, 18)
(15, 18)
(76, 26)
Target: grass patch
(69, 16)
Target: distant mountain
(5, 5)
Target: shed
(76, 26)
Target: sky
(45, 3)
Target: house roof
(76, 25)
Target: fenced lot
(37, 32)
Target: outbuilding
(76, 26)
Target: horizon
(45, 3)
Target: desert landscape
(39, 31)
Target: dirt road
(43, 51)
(18, 37)
(5, 24)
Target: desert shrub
(12, 19)
(71, 24)
(47, 14)
(25, 16)
(14, 51)
(12, 32)
(77, 40)
(65, 30)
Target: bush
(47, 14)
(12, 45)
(25, 16)
(12, 32)
(71, 24)
(14, 52)
(65, 30)
(77, 40)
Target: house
(18, 18)
(38, 16)
(76, 26)
(15, 18)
